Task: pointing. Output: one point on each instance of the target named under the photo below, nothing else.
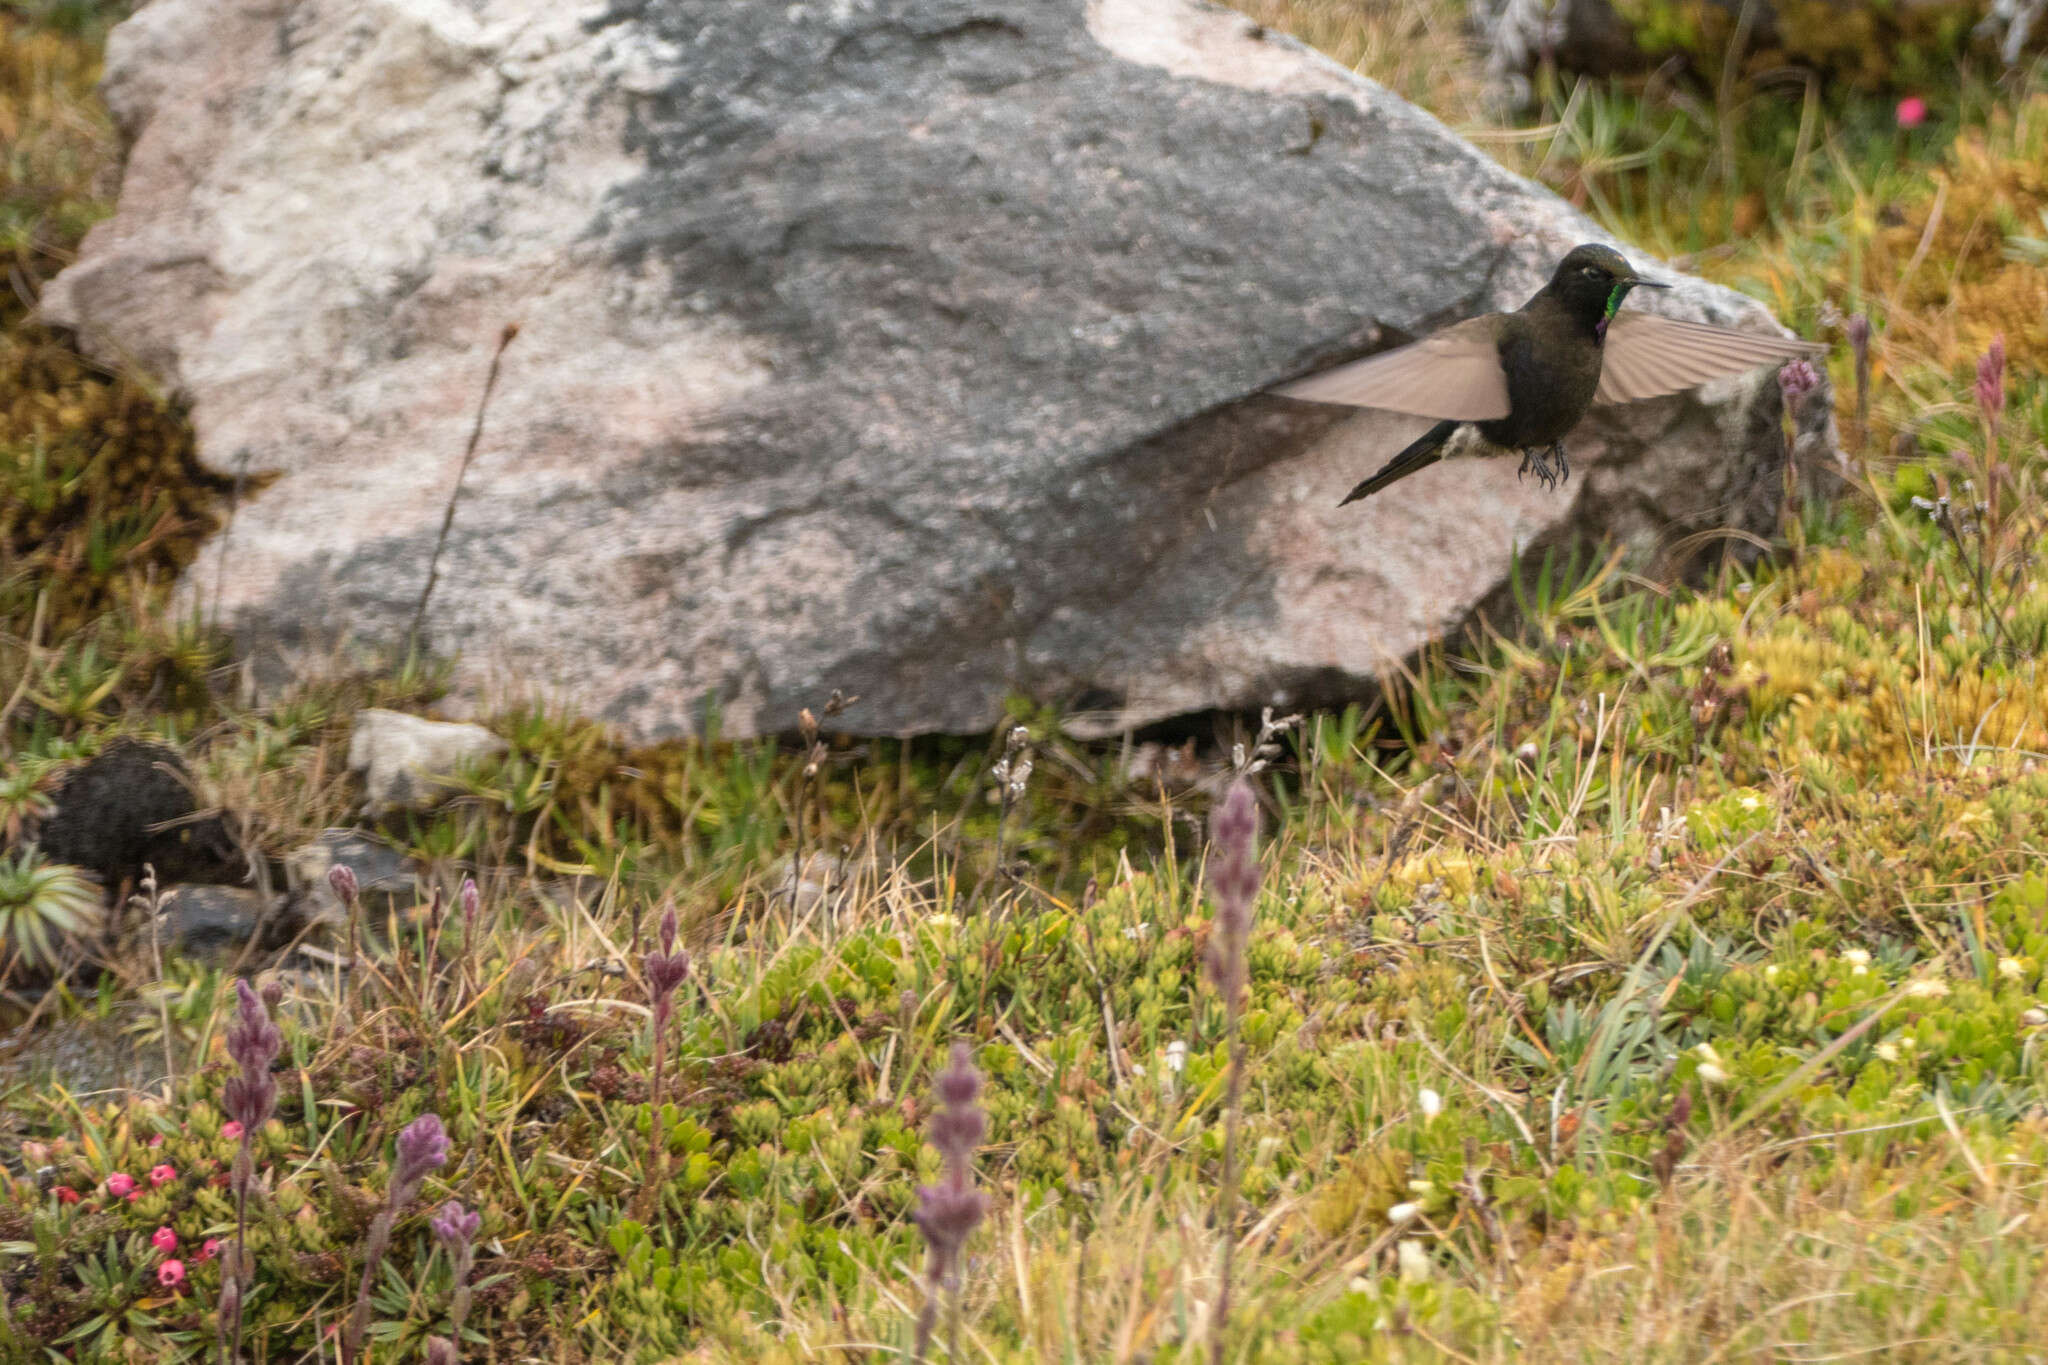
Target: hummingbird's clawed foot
(1548, 474)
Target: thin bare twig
(476, 432)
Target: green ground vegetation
(1660, 980)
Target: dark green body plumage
(1524, 379)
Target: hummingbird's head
(1593, 280)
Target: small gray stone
(401, 758)
(214, 923)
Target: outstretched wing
(1647, 356)
(1453, 374)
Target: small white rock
(2010, 968)
(402, 758)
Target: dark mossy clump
(104, 493)
(100, 489)
(135, 804)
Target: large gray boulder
(909, 347)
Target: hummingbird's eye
(1591, 272)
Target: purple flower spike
(1795, 382)
(1234, 881)
(472, 902)
(455, 1227)
(253, 1041)
(1991, 379)
(441, 1351)
(343, 879)
(949, 1211)
(1858, 328)
(422, 1150)
(666, 968)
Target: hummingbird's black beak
(1646, 284)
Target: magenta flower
(119, 1184)
(1912, 112)
(209, 1248)
(65, 1194)
(171, 1274)
(164, 1240)
(160, 1176)
(231, 1130)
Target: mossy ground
(1673, 968)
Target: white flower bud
(1403, 1213)
(1432, 1103)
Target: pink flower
(209, 1248)
(134, 1195)
(164, 1240)
(160, 1176)
(231, 1130)
(156, 1139)
(171, 1274)
(119, 1183)
(1912, 111)
(65, 1194)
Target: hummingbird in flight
(1524, 379)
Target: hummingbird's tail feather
(1426, 450)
